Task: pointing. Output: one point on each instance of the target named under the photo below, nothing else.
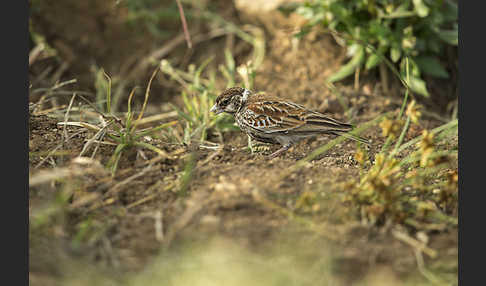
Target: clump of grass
(127, 134)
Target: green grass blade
(452, 124)
(155, 129)
(349, 68)
(197, 74)
(108, 93)
(181, 113)
(400, 139)
(115, 158)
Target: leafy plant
(388, 30)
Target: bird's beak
(216, 109)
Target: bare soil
(232, 193)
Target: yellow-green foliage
(418, 188)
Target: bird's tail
(353, 137)
(319, 123)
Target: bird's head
(231, 100)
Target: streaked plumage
(273, 120)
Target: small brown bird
(273, 120)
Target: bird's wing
(266, 118)
(276, 116)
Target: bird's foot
(279, 151)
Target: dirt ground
(121, 225)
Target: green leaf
(113, 162)
(303, 31)
(413, 67)
(197, 74)
(181, 113)
(349, 68)
(421, 9)
(450, 12)
(449, 36)
(306, 12)
(431, 66)
(372, 61)
(230, 62)
(434, 45)
(418, 85)
(395, 54)
(400, 12)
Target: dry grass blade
(46, 176)
(85, 200)
(49, 110)
(147, 94)
(64, 83)
(35, 52)
(154, 160)
(426, 273)
(184, 24)
(152, 188)
(160, 53)
(118, 187)
(414, 243)
(218, 151)
(98, 136)
(66, 116)
(159, 230)
(57, 148)
(103, 143)
(80, 124)
(79, 167)
(156, 117)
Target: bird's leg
(250, 145)
(279, 151)
(256, 146)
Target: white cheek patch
(230, 107)
(245, 94)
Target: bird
(274, 120)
